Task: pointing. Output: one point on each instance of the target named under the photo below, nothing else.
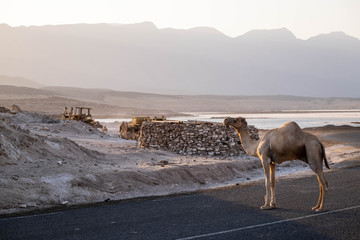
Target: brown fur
(286, 143)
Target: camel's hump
(290, 125)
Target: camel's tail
(324, 156)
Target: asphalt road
(231, 213)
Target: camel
(286, 143)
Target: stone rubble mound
(204, 138)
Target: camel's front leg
(266, 166)
(272, 185)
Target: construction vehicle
(131, 130)
(81, 114)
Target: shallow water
(274, 120)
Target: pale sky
(305, 18)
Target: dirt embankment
(46, 162)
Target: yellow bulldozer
(131, 130)
(80, 114)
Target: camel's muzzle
(226, 122)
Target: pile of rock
(13, 109)
(206, 139)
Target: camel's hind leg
(323, 185)
(323, 188)
(314, 154)
(320, 195)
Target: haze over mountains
(142, 58)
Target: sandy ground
(46, 163)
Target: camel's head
(237, 123)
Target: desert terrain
(47, 163)
(107, 103)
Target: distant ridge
(108, 102)
(201, 60)
(282, 34)
(19, 81)
(335, 38)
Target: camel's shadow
(293, 211)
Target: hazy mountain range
(141, 57)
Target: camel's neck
(250, 146)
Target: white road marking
(269, 223)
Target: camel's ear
(242, 120)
